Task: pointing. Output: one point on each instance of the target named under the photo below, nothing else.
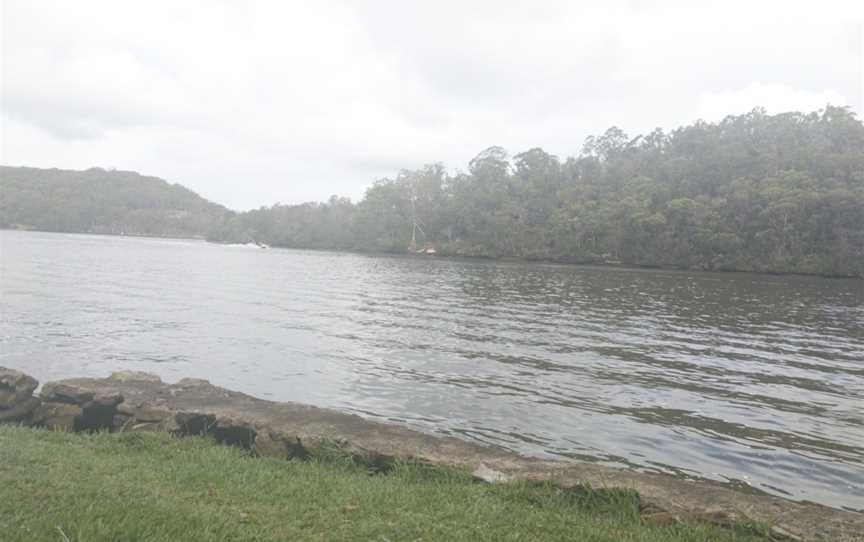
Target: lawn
(136, 486)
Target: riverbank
(129, 403)
(107, 234)
(443, 253)
(460, 256)
(150, 486)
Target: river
(753, 380)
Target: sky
(254, 103)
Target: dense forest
(102, 201)
(756, 192)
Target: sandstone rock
(99, 412)
(9, 398)
(192, 383)
(15, 387)
(193, 423)
(270, 445)
(144, 426)
(134, 376)
(156, 417)
(148, 413)
(58, 416)
(21, 412)
(783, 532)
(126, 408)
(11, 378)
(63, 393)
(486, 474)
(109, 400)
(120, 422)
(234, 432)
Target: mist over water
(749, 379)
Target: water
(753, 380)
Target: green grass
(133, 486)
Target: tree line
(756, 192)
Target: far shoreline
(460, 257)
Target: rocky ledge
(131, 401)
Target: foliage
(102, 201)
(756, 192)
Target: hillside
(769, 193)
(102, 201)
(772, 193)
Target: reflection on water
(755, 380)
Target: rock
(486, 474)
(68, 407)
(110, 400)
(21, 412)
(120, 422)
(782, 532)
(10, 398)
(148, 413)
(155, 417)
(270, 445)
(192, 423)
(58, 416)
(144, 426)
(127, 409)
(15, 387)
(192, 383)
(99, 412)
(234, 432)
(63, 393)
(134, 376)
(16, 380)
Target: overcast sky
(253, 103)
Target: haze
(250, 104)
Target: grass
(134, 486)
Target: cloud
(81, 93)
(714, 106)
(253, 103)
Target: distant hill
(756, 192)
(769, 193)
(103, 201)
